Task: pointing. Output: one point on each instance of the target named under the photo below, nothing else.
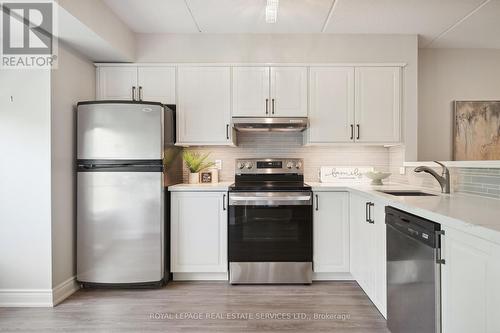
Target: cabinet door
(251, 92)
(331, 104)
(377, 106)
(157, 84)
(358, 246)
(288, 92)
(199, 232)
(204, 105)
(117, 83)
(379, 257)
(331, 232)
(470, 289)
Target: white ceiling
(439, 23)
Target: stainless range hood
(250, 124)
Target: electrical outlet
(218, 164)
(402, 171)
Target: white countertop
(214, 187)
(476, 215)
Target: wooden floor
(176, 308)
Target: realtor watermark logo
(28, 34)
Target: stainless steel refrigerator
(122, 206)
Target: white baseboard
(200, 277)
(224, 277)
(26, 298)
(38, 297)
(64, 290)
(332, 276)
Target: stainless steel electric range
(270, 223)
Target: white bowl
(377, 176)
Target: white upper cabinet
(251, 91)
(331, 110)
(153, 84)
(288, 91)
(204, 106)
(156, 84)
(269, 91)
(117, 83)
(331, 232)
(344, 104)
(377, 104)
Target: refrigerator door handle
(133, 93)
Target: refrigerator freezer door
(116, 131)
(120, 225)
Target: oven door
(270, 227)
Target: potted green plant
(196, 162)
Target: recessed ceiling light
(272, 11)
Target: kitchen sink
(406, 193)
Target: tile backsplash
(478, 181)
(485, 182)
(268, 144)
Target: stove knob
(240, 165)
(298, 165)
(249, 165)
(289, 164)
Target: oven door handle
(270, 199)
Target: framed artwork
(476, 130)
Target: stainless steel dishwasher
(413, 273)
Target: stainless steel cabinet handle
(140, 93)
(370, 205)
(366, 211)
(267, 105)
(273, 105)
(317, 202)
(439, 258)
(133, 93)
(357, 127)
(352, 131)
(227, 131)
(223, 202)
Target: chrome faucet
(444, 179)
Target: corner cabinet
(470, 283)
(204, 106)
(199, 232)
(368, 248)
(279, 91)
(331, 232)
(136, 83)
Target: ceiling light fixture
(272, 11)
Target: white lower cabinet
(331, 232)
(368, 248)
(199, 232)
(470, 284)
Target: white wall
(294, 48)
(94, 20)
(25, 215)
(72, 81)
(446, 75)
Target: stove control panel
(269, 166)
